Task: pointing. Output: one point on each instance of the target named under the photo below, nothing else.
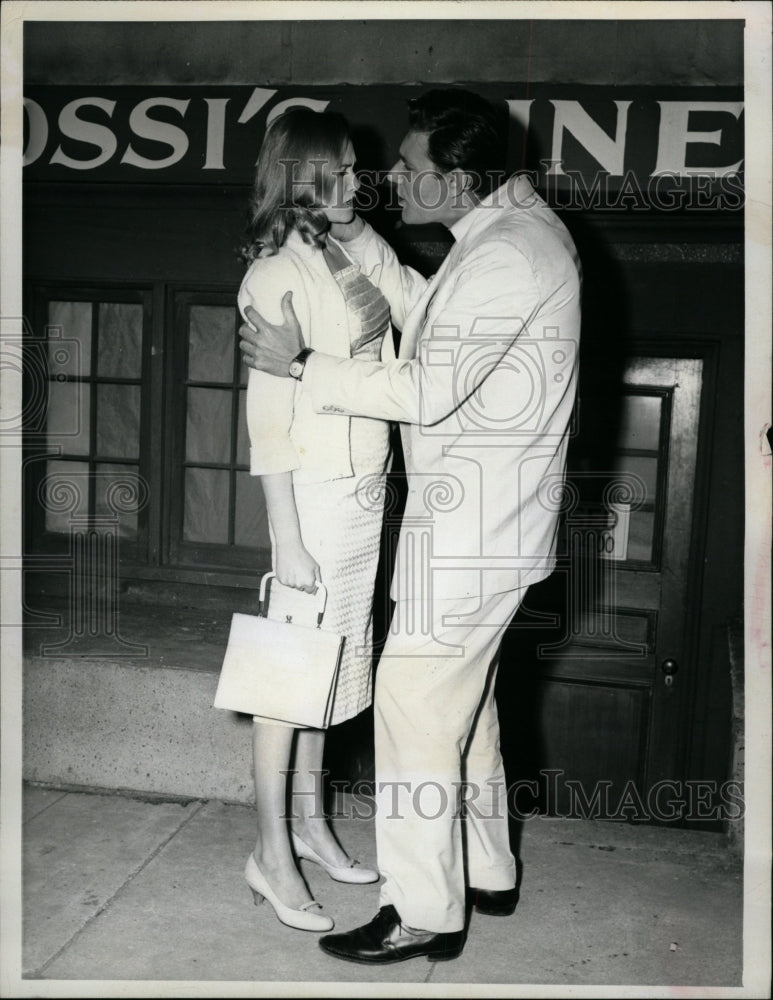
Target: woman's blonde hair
(293, 177)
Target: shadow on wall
(521, 683)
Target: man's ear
(460, 181)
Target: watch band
(299, 363)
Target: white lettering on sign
(163, 132)
(295, 102)
(37, 137)
(215, 132)
(520, 110)
(83, 130)
(258, 98)
(675, 136)
(101, 140)
(571, 117)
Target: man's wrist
(298, 364)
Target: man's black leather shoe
(385, 940)
(494, 902)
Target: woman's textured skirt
(340, 524)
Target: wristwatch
(299, 363)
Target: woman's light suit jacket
(286, 435)
(485, 386)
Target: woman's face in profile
(339, 207)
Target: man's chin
(408, 218)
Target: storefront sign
(597, 142)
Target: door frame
(670, 761)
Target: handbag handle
(320, 593)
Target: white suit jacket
(484, 384)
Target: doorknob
(669, 668)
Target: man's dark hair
(465, 132)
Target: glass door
(217, 511)
(88, 362)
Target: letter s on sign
(150, 128)
(85, 131)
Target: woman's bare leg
(272, 751)
(306, 805)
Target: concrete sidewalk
(117, 888)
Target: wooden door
(596, 667)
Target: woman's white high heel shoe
(353, 872)
(300, 918)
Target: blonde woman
(322, 477)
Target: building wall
(641, 53)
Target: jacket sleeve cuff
(278, 457)
(318, 377)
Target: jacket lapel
(416, 321)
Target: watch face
(298, 364)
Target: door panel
(613, 721)
(599, 708)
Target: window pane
(640, 535)
(208, 434)
(206, 506)
(70, 352)
(118, 421)
(211, 344)
(640, 422)
(67, 419)
(116, 496)
(65, 493)
(251, 519)
(242, 438)
(645, 468)
(119, 353)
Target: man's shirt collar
(517, 192)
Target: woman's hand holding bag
(296, 567)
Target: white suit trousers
(436, 733)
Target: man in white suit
(484, 388)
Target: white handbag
(279, 668)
